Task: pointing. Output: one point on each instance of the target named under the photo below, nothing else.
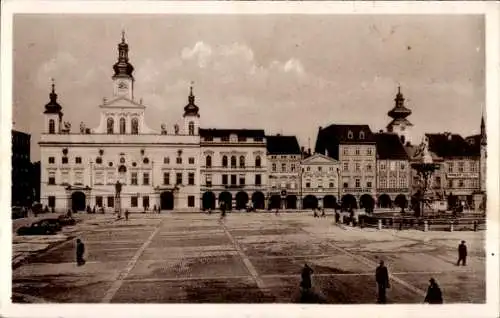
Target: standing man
(434, 295)
(126, 215)
(80, 250)
(306, 283)
(462, 253)
(382, 278)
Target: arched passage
(310, 202)
(167, 200)
(291, 201)
(226, 199)
(208, 200)
(78, 201)
(348, 202)
(367, 202)
(258, 200)
(329, 202)
(241, 200)
(401, 201)
(275, 202)
(384, 201)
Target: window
(190, 201)
(460, 183)
(64, 160)
(191, 178)
(78, 160)
(308, 169)
(450, 167)
(361, 135)
(308, 184)
(110, 164)
(258, 179)
(166, 178)
(358, 183)
(402, 182)
(460, 167)
(392, 183)
(52, 201)
(257, 162)
(346, 185)
(383, 182)
(191, 160)
(450, 183)
(110, 125)
(224, 161)
(166, 160)
(330, 185)
(369, 151)
(402, 165)
(320, 168)
(346, 166)
(145, 201)
(242, 179)
(145, 178)
(122, 126)
(98, 201)
(350, 135)
(233, 179)
(346, 151)
(358, 166)
(208, 161)
(258, 139)
(283, 167)
(178, 160)
(382, 166)
(191, 128)
(133, 202)
(242, 138)
(122, 169)
(178, 178)
(292, 167)
(437, 182)
(369, 167)
(111, 201)
(133, 178)
(233, 162)
(473, 166)
(273, 167)
(52, 160)
(52, 126)
(368, 184)
(357, 151)
(224, 179)
(79, 177)
(134, 126)
(209, 138)
(145, 160)
(208, 180)
(98, 160)
(64, 177)
(242, 161)
(52, 178)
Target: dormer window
(233, 138)
(145, 161)
(361, 135)
(350, 135)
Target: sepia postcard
(249, 159)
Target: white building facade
(156, 169)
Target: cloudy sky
(287, 74)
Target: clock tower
(123, 80)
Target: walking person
(126, 215)
(323, 212)
(434, 295)
(222, 211)
(462, 253)
(276, 212)
(382, 278)
(306, 283)
(315, 213)
(80, 250)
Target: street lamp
(338, 185)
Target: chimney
(302, 149)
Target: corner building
(156, 168)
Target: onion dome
(53, 107)
(191, 109)
(122, 67)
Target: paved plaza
(247, 258)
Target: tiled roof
(389, 146)
(278, 145)
(249, 133)
(450, 145)
(330, 137)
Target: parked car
(54, 223)
(42, 227)
(66, 220)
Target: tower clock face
(122, 85)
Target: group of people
(434, 294)
(316, 210)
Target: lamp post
(338, 185)
(118, 190)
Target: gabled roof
(319, 158)
(450, 145)
(122, 102)
(389, 146)
(214, 132)
(281, 145)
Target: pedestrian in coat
(126, 215)
(315, 213)
(306, 282)
(462, 253)
(80, 250)
(382, 278)
(323, 212)
(434, 295)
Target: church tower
(482, 160)
(123, 80)
(191, 115)
(53, 113)
(399, 124)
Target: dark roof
(474, 143)
(277, 145)
(249, 133)
(330, 137)
(191, 109)
(53, 107)
(389, 146)
(451, 145)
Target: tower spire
(122, 67)
(191, 109)
(52, 107)
(483, 130)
